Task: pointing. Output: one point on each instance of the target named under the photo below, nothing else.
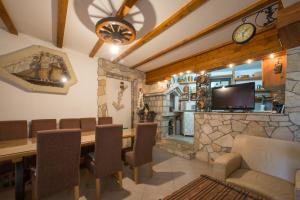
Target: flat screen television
(234, 97)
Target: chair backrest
(275, 157)
(105, 120)
(88, 124)
(12, 130)
(42, 125)
(71, 123)
(145, 139)
(58, 160)
(108, 150)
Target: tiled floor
(171, 173)
(187, 139)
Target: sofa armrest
(297, 185)
(226, 164)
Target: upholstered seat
(88, 124)
(42, 125)
(58, 159)
(266, 166)
(71, 123)
(142, 148)
(11, 130)
(106, 160)
(105, 120)
(270, 186)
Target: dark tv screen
(238, 97)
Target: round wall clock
(244, 33)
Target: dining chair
(142, 148)
(57, 168)
(105, 120)
(42, 125)
(106, 160)
(70, 123)
(11, 130)
(88, 124)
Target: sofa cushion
(266, 185)
(277, 158)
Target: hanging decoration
(262, 18)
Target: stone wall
(292, 93)
(214, 132)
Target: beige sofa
(265, 166)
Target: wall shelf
(186, 83)
(248, 78)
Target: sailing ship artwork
(42, 69)
(39, 67)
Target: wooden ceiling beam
(122, 12)
(288, 25)
(61, 21)
(264, 43)
(125, 8)
(180, 14)
(250, 9)
(7, 20)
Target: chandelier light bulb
(114, 49)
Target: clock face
(244, 33)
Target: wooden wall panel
(264, 43)
(270, 79)
(289, 26)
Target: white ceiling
(38, 18)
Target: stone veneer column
(102, 104)
(117, 71)
(292, 94)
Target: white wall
(122, 116)
(81, 101)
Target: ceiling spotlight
(188, 71)
(230, 65)
(249, 61)
(114, 49)
(165, 81)
(202, 72)
(181, 73)
(174, 75)
(272, 55)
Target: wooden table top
(17, 149)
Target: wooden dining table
(17, 150)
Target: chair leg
(136, 174)
(98, 188)
(34, 194)
(76, 192)
(120, 178)
(34, 197)
(151, 169)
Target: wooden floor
(171, 173)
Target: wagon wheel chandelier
(115, 30)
